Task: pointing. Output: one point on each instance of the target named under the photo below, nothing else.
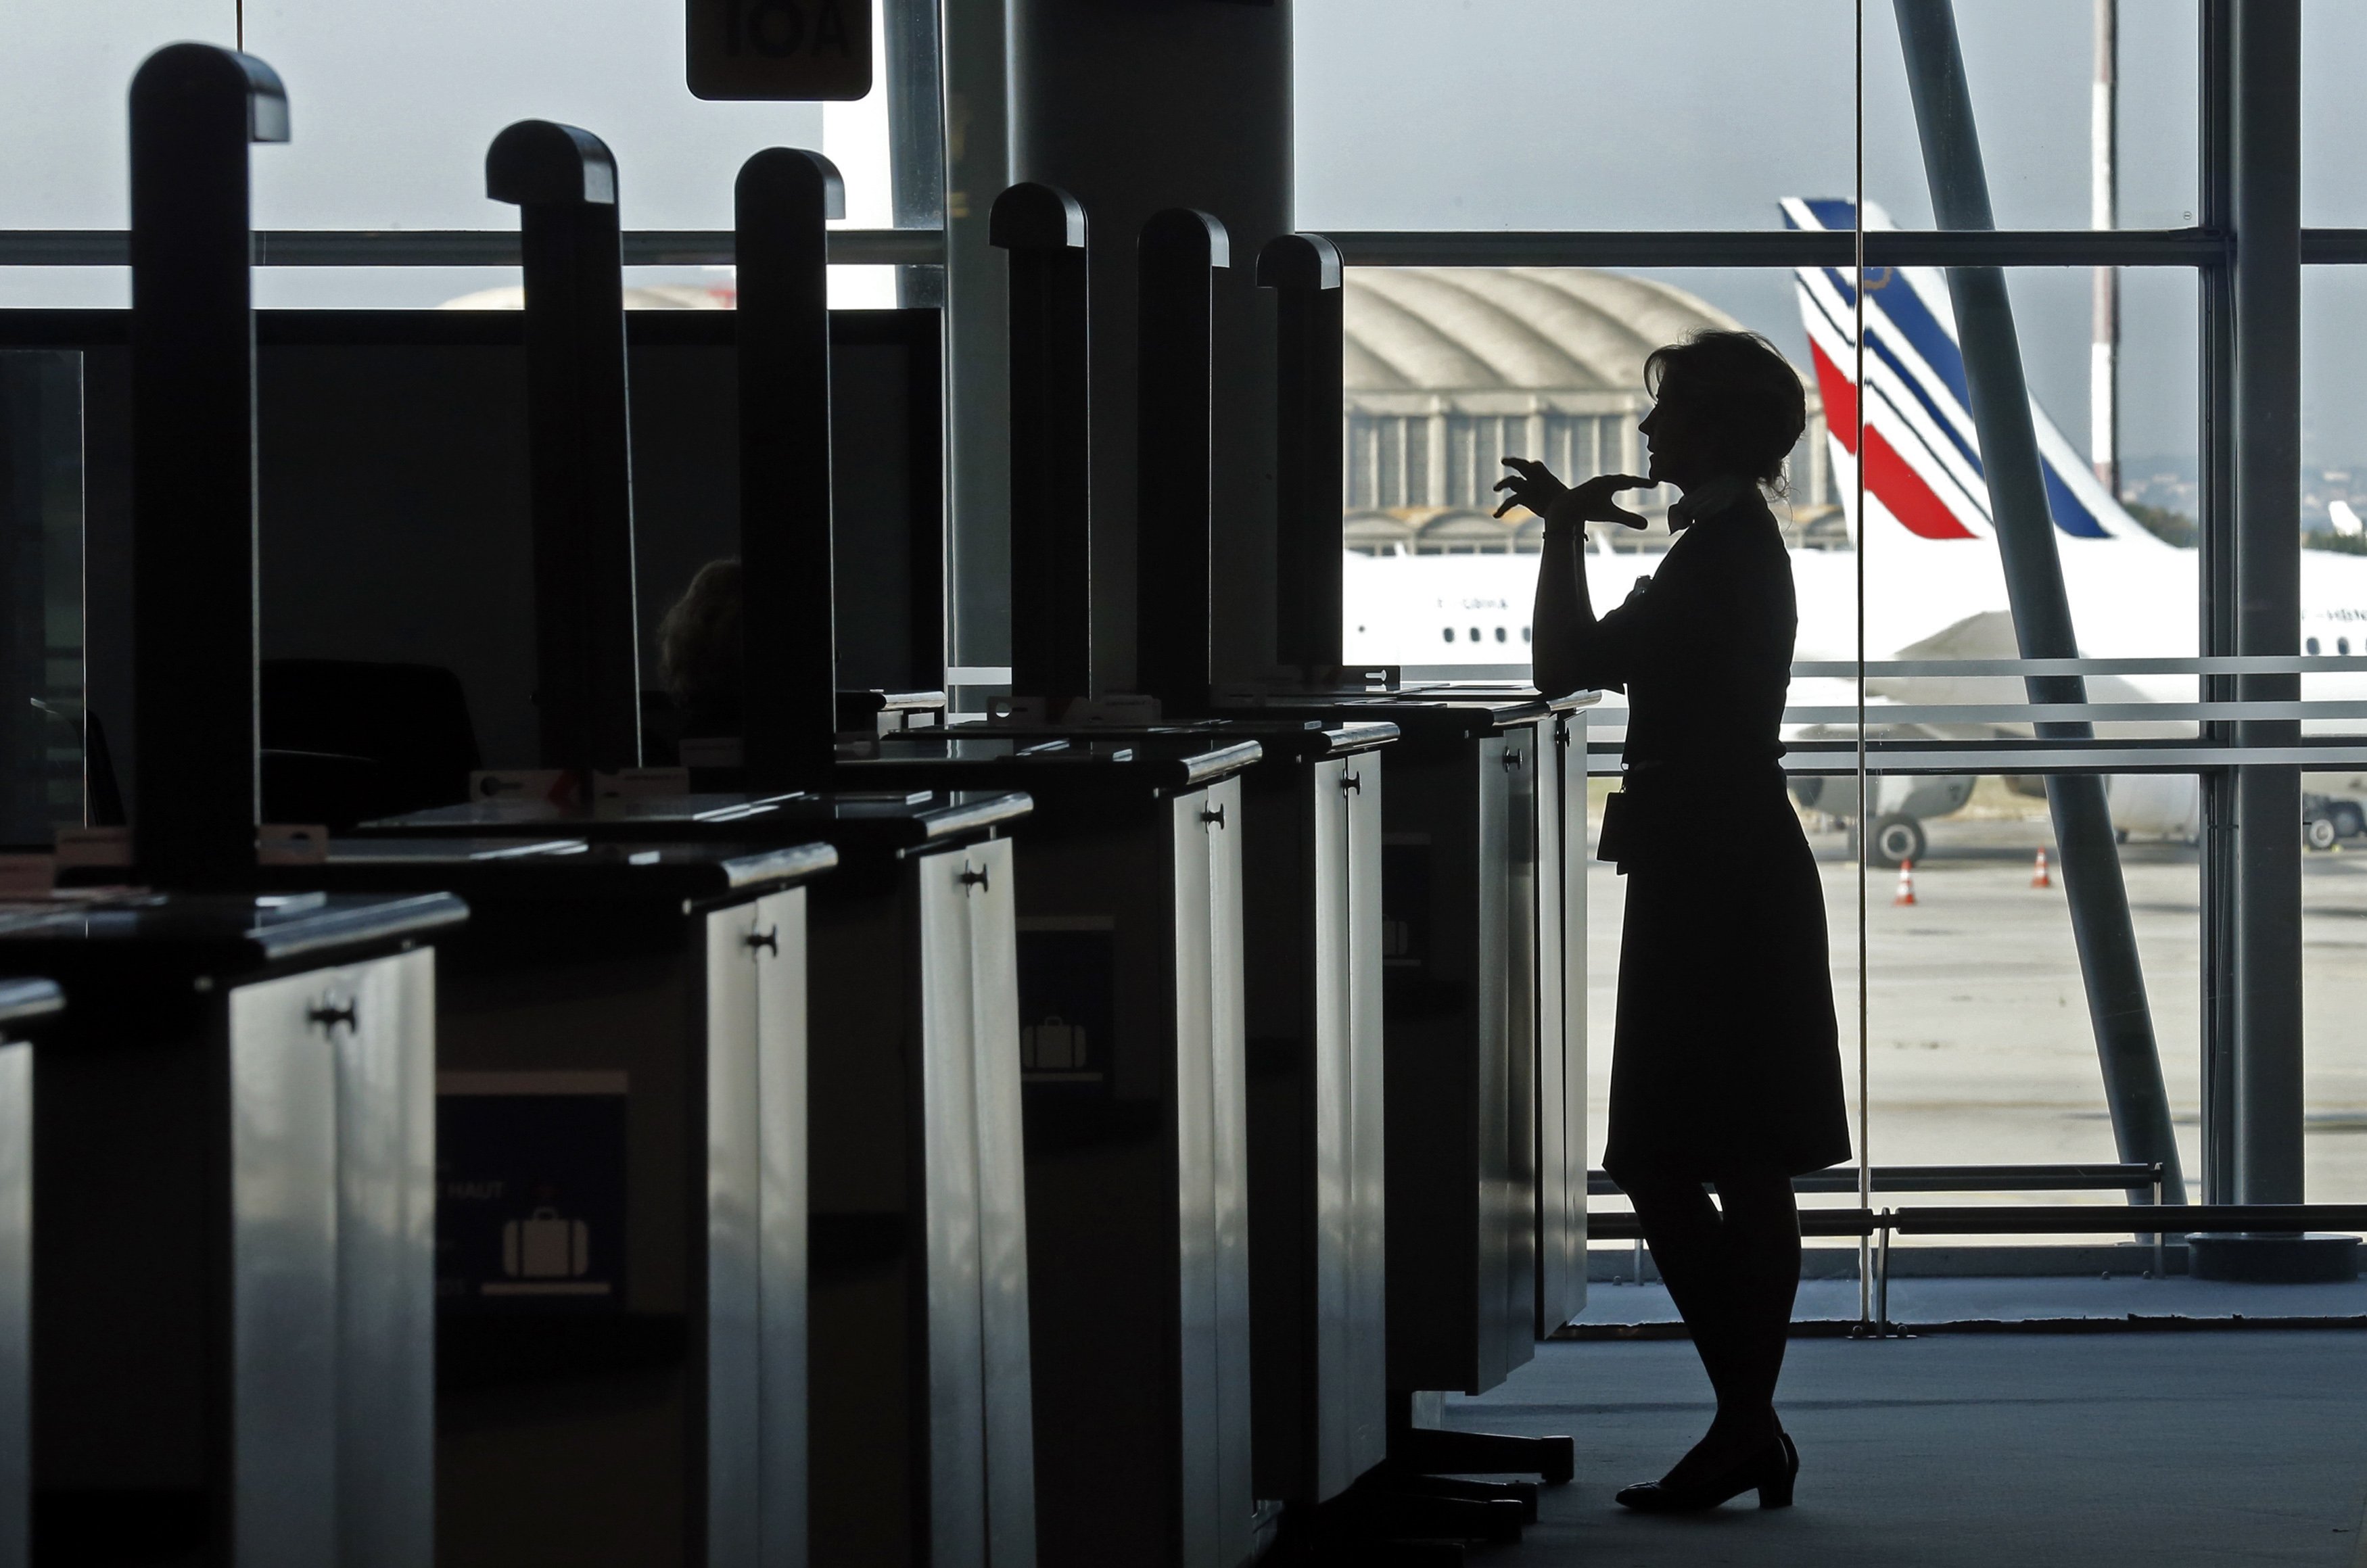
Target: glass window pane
(2333, 139)
(391, 110)
(1513, 114)
(2334, 801)
(2031, 68)
(41, 717)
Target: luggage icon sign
(545, 1245)
(1052, 1046)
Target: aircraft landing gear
(1897, 837)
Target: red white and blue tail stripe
(1922, 454)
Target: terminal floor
(2088, 1450)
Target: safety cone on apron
(2039, 875)
(1905, 894)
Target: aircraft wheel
(2318, 832)
(1896, 838)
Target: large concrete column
(1132, 108)
(2265, 191)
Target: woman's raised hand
(1532, 485)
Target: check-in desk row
(973, 1146)
(657, 954)
(252, 1196)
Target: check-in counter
(1309, 831)
(233, 1222)
(26, 1007)
(918, 1387)
(233, 1142)
(1484, 913)
(1131, 1032)
(1563, 856)
(621, 1216)
(1560, 984)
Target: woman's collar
(1710, 498)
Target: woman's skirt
(1725, 1054)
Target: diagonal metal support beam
(2099, 900)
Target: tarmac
(1977, 1043)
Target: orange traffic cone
(1905, 894)
(2039, 875)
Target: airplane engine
(1899, 804)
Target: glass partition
(41, 713)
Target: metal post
(1309, 334)
(2117, 1008)
(1180, 250)
(1051, 426)
(587, 634)
(2266, 147)
(194, 110)
(2160, 1258)
(916, 137)
(2215, 607)
(2103, 212)
(976, 52)
(790, 688)
(1882, 1277)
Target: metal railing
(2021, 1219)
(2192, 247)
(1615, 1226)
(463, 247)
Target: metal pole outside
(2266, 144)
(2103, 212)
(916, 137)
(2216, 609)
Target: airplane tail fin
(1923, 475)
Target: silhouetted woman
(1725, 1068)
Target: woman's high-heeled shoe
(1772, 1474)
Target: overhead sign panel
(791, 50)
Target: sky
(1462, 114)
(1702, 114)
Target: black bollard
(587, 676)
(1052, 481)
(1179, 250)
(789, 694)
(195, 110)
(1304, 272)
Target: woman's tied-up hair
(1738, 384)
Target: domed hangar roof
(1543, 329)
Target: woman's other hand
(1532, 485)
